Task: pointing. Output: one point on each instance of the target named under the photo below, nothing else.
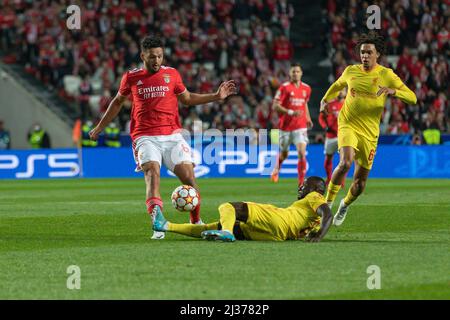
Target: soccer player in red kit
(329, 123)
(155, 125)
(291, 103)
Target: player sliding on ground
(309, 217)
(368, 85)
(155, 91)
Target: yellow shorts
(264, 223)
(364, 149)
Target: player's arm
(309, 122)
(398, 89)
(192, 99)
(323, 121)
(112, 112)
(327, 218)
(333, 91)
(280, 109)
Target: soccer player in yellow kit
(309, 217)
(368, 86)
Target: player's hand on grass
(226, 89)
(324, 107)
(313, 237)
(94, 133)
(385, 90)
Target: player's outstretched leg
(301, 144)
(347, 154)
(340, 215)
(192, 230)
(151, 175)
(275, 176)
(357, 187)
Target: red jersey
(330, 121)
(294, 98)
(155, 103)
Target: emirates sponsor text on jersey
(153, 92)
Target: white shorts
(169, 150)
(331, 145)
(295, 137)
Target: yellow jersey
(362, 109)
(286, 223)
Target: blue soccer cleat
(160, 223)
(218, 235)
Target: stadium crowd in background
(207, 41)
(418, 49)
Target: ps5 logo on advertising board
(58, 165)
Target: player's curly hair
(151, 42)
(374, 38)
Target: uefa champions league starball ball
(185, 198)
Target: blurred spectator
(112, 136)
(432, 135)
(105, 101)
(207, 41)
(416, 140)
(263, 114)
(38, 138)
(284, 12)
(207, 116)
(85, 90)
(86, 141)
(192, 122)
(283, 54)
(5, 138)
(104, 75)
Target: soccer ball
(185, 198)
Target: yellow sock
(349, 198)
(227, 216)
(191, 230)
(332, 191)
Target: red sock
(152, 202)
(328, 164)
(195, 214)
(301, 168)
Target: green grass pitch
(402, 226)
